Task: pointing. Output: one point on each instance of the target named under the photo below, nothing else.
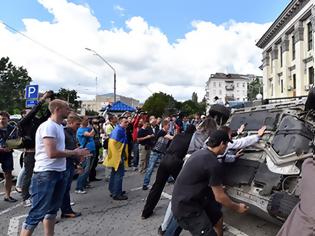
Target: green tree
(70, 96)
(194, 97)
(190, 107)
(13, 81)
(160, 104)
(254, 87)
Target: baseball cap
(219, 136)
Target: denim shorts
(6, 160)
(48, 188)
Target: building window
(294, 81)
(214, 84)
(293, 47)
(309, 36)
(281, 59)
(237, 84)
(243, 85)
(311, 75)
(220, 92)
(281, 85)
(220, 84)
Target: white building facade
(227, 87)
(288, 51)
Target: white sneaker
(72, 203)
(28, 203)
(80, 191)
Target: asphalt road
(103, 216)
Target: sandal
(10, 199)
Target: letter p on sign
(31, 92)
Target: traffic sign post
(31, 95)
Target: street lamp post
(107, 63)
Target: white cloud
(142, 55)
(120, 10)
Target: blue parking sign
(31, 92)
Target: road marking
(13, 229)
(166, 195)
(11, 208)
(135, 189)
(2, 193)
(234, 231)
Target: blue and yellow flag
(117, 143)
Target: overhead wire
(48, 48)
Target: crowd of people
(59, 144)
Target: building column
(299, 55)
(266, 65)
(286, 76)
(275, 65)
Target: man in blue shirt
(85, 136)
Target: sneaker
(144, 187)
(160, 231)
(18, 189)
(80, 191)
(122, 193)
(72, 203)
(27, 203)
(120, 198)
(9, 199)
(71, 215)
(135, 168)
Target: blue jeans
(154, 156)
(66, 207)
(48, 188)
(135, 150)
(116, 179)
(173, 228)
(83, 178)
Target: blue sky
(165, 45)
(173, 17)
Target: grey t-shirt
(193, 185)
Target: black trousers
(170, 165)
(29, 163)
(94, 163)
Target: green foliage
(160, 104)
(13, 81)
(70, 96)
(91, 113)
(255, 87)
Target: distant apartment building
(105, 99)
(288, 51)
(227, 87)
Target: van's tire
(220, 112)
(281, 204)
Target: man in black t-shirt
(144, 138)
(199, 186)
